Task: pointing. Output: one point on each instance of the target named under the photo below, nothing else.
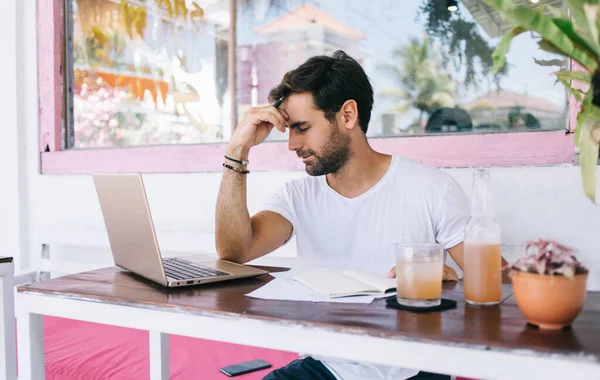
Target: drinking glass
(419, 269)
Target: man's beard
(335, 154)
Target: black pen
(278, 102)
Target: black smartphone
(246, 367)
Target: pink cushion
(76, 350)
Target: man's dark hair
(331, 81)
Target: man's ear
(349, 114)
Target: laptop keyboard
(184, 270)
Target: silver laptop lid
(129, 225)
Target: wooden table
(484, 343)
(8, 358)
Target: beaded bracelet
(241, 162)
(241, 171)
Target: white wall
(63, 211)
(9, 139)
(16, 151)
(531, 202)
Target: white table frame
(456, 359)
(8, 358)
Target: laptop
(133, 238)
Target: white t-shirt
(411, 203)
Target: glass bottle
(482, 255)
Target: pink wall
(530, 148)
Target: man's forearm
(233, 225)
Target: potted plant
(576, 38)
(549, 284)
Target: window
(165, 81)
(431, 68)
(149, 72)
(156, 72)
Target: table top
(5, 259)
(500, 327)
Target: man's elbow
(233, 255)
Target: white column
(9, 165)
(14, 226)
(159, 356)
(30, 330)
(8, 348)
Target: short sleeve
(281, 203)
(453, 215)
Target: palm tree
(423, 82)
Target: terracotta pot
(550, 302)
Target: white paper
(285, 288)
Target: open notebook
(333, 284)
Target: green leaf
(572, 91)
(555, 12)
(588, 154)
(499, 55)
(580, 76)
(580, 42)
(591, 13)
(585, 109)
(565, 77)
(576, 10)
(549, 47)
(531, 19)
(546, 27)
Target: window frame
(535, 148)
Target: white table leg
(30, 332)
(8, 348)
(159, 356)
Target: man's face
(323, 146)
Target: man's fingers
(278, 115)
(269, 116)
(285, 114)
(392, 273)
(276, 112)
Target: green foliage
(465, 46)
(579, 40)
(422, 80)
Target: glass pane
(149, 72)
(430, 68)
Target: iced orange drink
(482, 273)
(419, 269)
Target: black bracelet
(241, 171)
(241, 162)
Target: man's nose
(295, 141)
